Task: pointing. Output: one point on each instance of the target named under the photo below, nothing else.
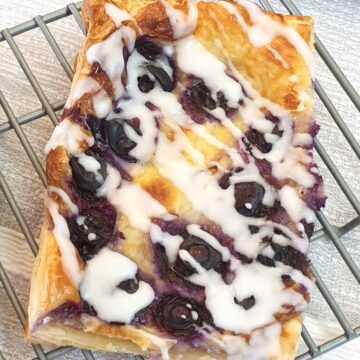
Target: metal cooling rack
(48, 109)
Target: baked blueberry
(254, 229)
(118, 140)
(222, 102)
(130, 286)
(164, 79)
(224, 181)
(145, 84)
(147, 47)
(200, 95)
(291, 257)
(265, 260)
(203, 253)
(248, 198)
(87, 180)
(180, 316)
(89, 233)
(246, 303)
(256, 138)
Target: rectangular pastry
(181, 185)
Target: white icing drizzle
(69, 135)
(264, 344)
(67, 249)
(171, 243)
(278, 57)
(109, 54)
(182, 24)
(85, 85)
(131, 200)
(294, 206)
(195, 229)
(294, 78)
(102, 104)
(302, 139)
(101, 100)
(91, 236)
(117, 15)
(99, 288)
(164, 345)
(65, 198)
(264, 29)
(269, 293)
(90, 164)
(213, 72)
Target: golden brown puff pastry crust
(50, 286)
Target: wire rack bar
(328, 60)
(332, 303)
(18, 308)
(349, 226)
(23, 139)
(48, 18)
(314, 350)
(340, 231)
(337, 118)
(56, 353)
(339, 246)
(337, 176)
(74, 11)
(326, 347)
(18, 215)
(31, 77)
(22, 317)
(34, 115)
(55, 47)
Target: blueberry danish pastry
(181, 185)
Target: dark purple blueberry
(118, 141)
(164, 79)
(131, 286)
(147, 47)
(248, 198)
(287, 280)
(247, 303)
(180, 316)
(254, 229)
(222, 101)
(200, 95)
(224, 181)
(202, 252)
(291, 257)
(256, 138)
(175, 281)
(271, 117)
(92, 235)
(265, 169)
(309, 228)
(265, 260)
(145, 83)
(277, 131)
(66, 311)
(87, 180)
(94, 125)
(89, 309)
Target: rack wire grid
(334, 233)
